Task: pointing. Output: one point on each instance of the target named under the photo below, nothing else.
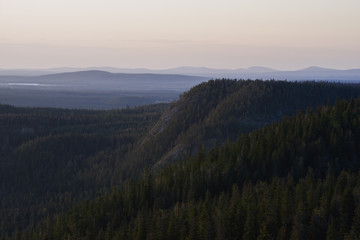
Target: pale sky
(159, 34)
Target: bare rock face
(166, 117)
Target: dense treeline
(296, 179)
(53, 158)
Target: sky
(160, 34)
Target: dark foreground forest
(228, 160)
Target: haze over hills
(255, 72)
(102, 80)
(109, 88)
(187, 70)
(94, 89)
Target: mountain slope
(221, 109)
(294, 179)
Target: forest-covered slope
(217, 110)
(52, 159)
(295, 179)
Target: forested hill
(216, 110)
(52, 159)
(295, 179)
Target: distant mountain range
(106, 81)
(256, 72)
(186, 70)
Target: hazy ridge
(93, 89)
(255, 72)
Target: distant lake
(31, 84)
